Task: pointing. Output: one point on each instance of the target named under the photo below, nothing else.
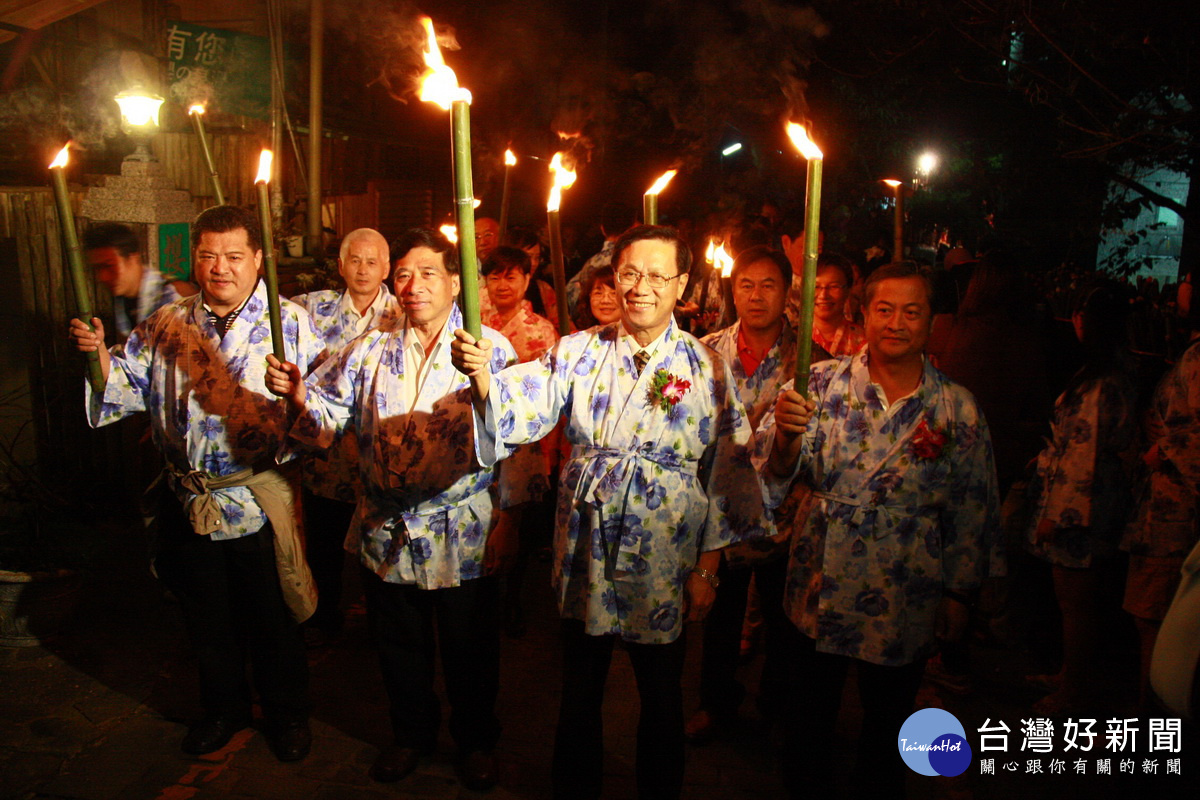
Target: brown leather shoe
(477, 770)
(701, 728)
(395, 763)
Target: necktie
(640, 359)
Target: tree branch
(1151, 195)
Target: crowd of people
(676, 461)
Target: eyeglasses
(829, 288)
(630, 277)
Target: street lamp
(139, 118)
(926, 164)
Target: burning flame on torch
(891, 182)
(440, 84)
(805, 145)
(198, 108)
(61, 159)
(662, 182)
(264, 167)
(711, 252)
(510, 159)
(723, 261)
(563, 179)
(450, 232)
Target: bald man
(331, 479)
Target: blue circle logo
(933, 742)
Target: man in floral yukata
(227, 542)
(331, 481)
(429, 528)
(659, 480)
(899, 538)
(760, 349)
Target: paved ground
(98, 713)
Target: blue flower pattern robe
(209, 406)
(889, 529)
(427, 505)
(334, 474)
(645, 490)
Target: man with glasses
(659, 480)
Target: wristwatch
(711, 577)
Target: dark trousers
(233, 606)
(720, 691)
(811, 709)
(402, 619)
(326, 522)
(579, 740)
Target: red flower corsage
(667, 390)
(928, 443)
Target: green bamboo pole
(464, 207)
(812, 226)
(197, 115)
(75, 265)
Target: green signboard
(229, 70)
(174, 251)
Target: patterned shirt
(207, 397)
(334, 473)
(906, 505)
(650, 485)
(427, 506)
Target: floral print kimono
(207, 397)
(427, 504)
(906, 506)
(334, 473)
(660, 471)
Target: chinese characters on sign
(1121, 736)
(226, 67)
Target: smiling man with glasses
(659, 480)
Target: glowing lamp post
(196, 112)
(66, 221)
(139, 115)
(812, 226)
(650, 199)
(268, 237)
(898, 223)
(510, 161)
(440, 86)
(563, 179)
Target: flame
(723, 261)
(565, 135)
(662, 182)
(476, 202)
(563, 179)
(198, 108)
(440, 84)
(264, 167)
(711, 252)
(450, 232)
(805, 145)
(510, 159)
(60, 160)
(892, 182)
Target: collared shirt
(530, 333)
(847, 340)
(207, 396)
(906, 505)
(334, 473)
(650, 485)
(747, 354)
(339, 320)
(427, 505)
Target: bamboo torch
(268, 237)
(440, 86)
(563, 178)
(898, 222)
(66, 221)
(812, 220)
(650, 199)
(196, 112)
(510, 161)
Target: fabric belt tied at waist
(865, 513)
(611, 474)
(273, 493)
